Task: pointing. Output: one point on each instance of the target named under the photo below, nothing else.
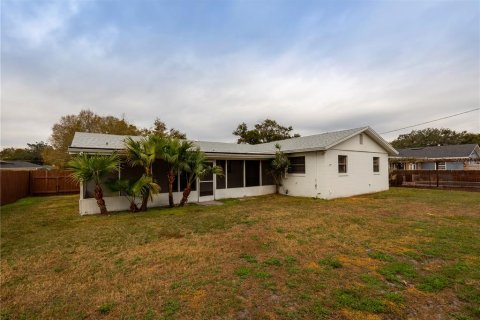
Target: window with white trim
(441, 166)
(297, 165)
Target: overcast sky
(205, 66)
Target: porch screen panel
(131, 173)
(252, 173)
(221, 180)
(267, 179)
(90, 186)
(159, 172)
(235, 174)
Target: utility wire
(419, 124)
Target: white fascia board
(239, 156)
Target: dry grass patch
(272, 257)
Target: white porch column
(226, 174)
(260, 168)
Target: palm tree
(144, 187)
(174, 153)
(197, 167)
(278, 167)
(86, 168)
(143, 153)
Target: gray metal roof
(225, 147)
(83, 141)
(449, 151)
(319, 141)
(87, 140)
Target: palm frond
(145, 186)
(86, 167)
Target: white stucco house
(328, 165)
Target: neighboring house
(450, 157)
(19, 165)
(329, 165)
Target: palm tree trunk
(143, 207)
(133, 206)
(100, 200)
(171, 180)
(186, 193)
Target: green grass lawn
(405, 253)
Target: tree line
(55, 152)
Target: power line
(419, 124)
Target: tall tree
(86, 121)
(434, 137)
(87, 168)
(160, 129)
(279, 167)
(471, 138)
(33, 153)
(174, 153)
(266, 131)
(143, 153)
(196, 167)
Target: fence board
(52, 182)
(13, 185)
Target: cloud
(37, 22)
(327, 72)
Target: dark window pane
(234, 173)
(376, 164)
(342, 164)
(297, 165)
(206, 188)
(267, 178)
(221, 179)
(252, 173)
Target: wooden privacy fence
(13, 185)
(52, 182)
(18, 184)
(436, 178)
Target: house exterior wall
(120, 203)
(303, 184)
(360, 178)
(457, 165)
(322, 180)
(452, 165)
(243, 192)
(426, 166)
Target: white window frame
(346, 164)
